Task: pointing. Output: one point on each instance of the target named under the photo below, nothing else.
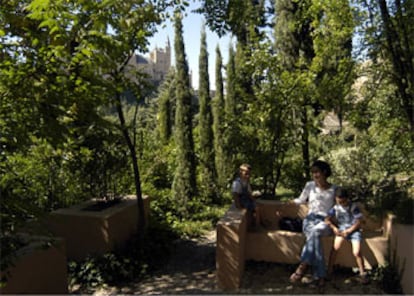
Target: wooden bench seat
(235, 244)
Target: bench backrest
(273, 210)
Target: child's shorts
(248, 204)
(355, 236)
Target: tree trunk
(137, 181)
(400, 53)
(305, 143)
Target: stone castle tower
(157, 65)
(161, 61)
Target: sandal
(298, 274)
(364, 279)
(321, 286)
(295, 277)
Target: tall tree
(218, 111)
(245, 20)
(166, 103)
(236, 16)
(207, 165)
(184, 183)
(397, 27)
(333, 63)
(230, 99)
(63, 66)
(314, 41)
(294, 45)
(230, 105)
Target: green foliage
(62, 64)
(292, 177)
(208, 175)
(134, 261)
(374, 154)
(166, 107)
(388, 36)
(44, 178)
(372, 179)
(388, 278)
(60, 144)
(236, 17)
(219, 127)
(204, 219)
(353, 168)
(405, 210)
(184, 183)
(393, 196)
(269, 119)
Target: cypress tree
(166, 102)
(205, 125)
(184, 183)
(230, 100)
(294, 45)
(230, 106)
(314, 40)
(221, 159)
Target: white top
(319, 200)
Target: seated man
(242, 194)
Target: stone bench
(235, 244)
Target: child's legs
(258, 215)
(356, 250)
(250, 206)
(338, 240)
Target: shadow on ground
(191, 270)
(273, 278)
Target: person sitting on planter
(243, 197)
(319, 195)
(344, 218)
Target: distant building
(156, 66)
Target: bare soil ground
(191, 270)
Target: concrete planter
(39, 268)
(402, 244)
(96, 232)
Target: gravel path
(191, 270)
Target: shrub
(388, 278)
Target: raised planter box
(88, 231)
(39, 268)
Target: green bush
(405, 211)
(393, 196)
(388, 278)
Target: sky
(192, 25)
